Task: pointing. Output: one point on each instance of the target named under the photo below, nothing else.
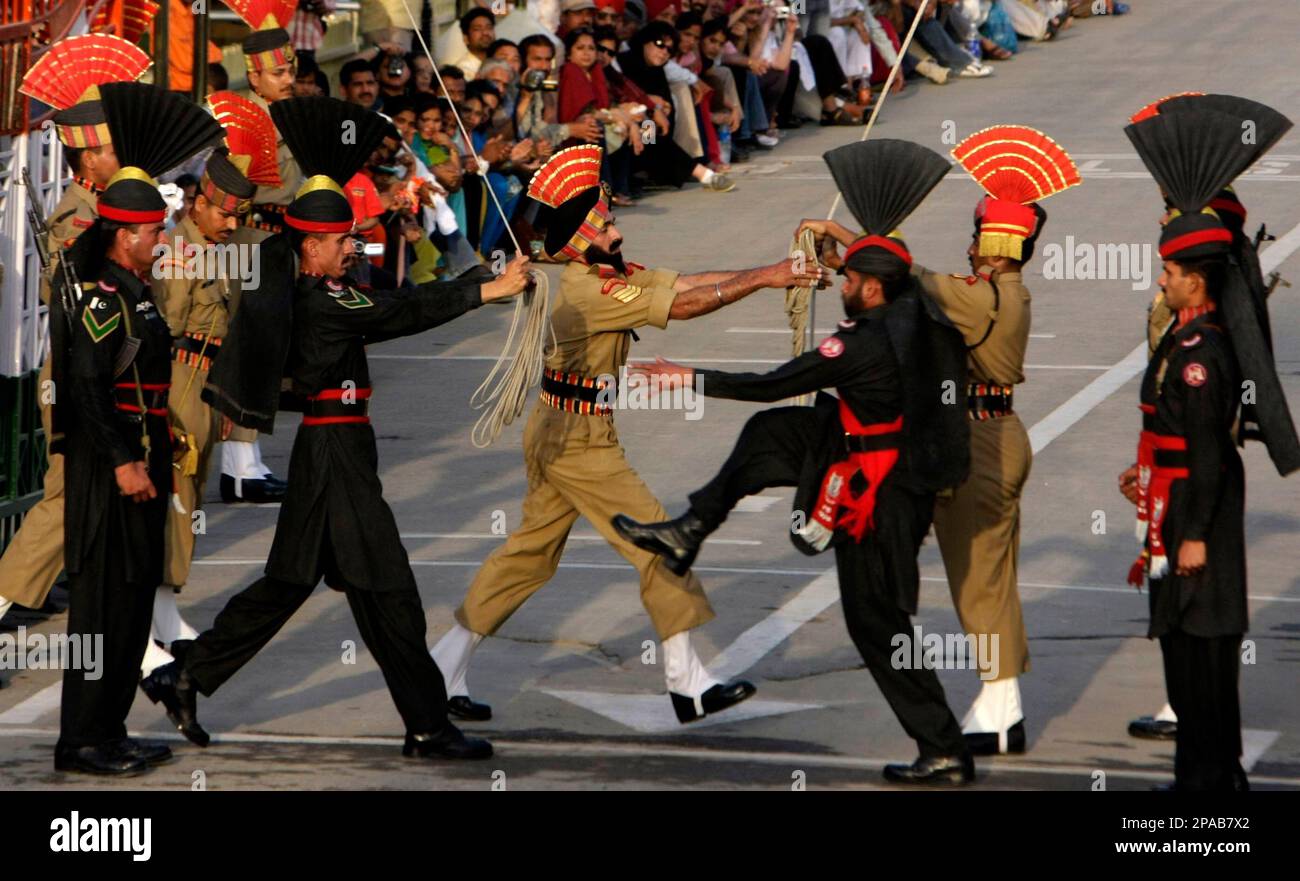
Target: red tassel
(1137, 572)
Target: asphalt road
(576, 706)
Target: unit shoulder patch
(97, 329)
(1195, 374)
(831, 347)
(351, 298)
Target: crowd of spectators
(675, 91)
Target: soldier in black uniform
(117, 441)
(335, 522)
(1188, 482)
(868, 465)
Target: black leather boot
(106, 759)
(462, 707)
(1151, 728)
(986, 743)
(934, 771)
(171, 685)
(449, 743)
(677, 541)
(714, 700)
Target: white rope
(504, 392)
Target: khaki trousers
(191, 415)
(979, 536)
(576, 466)
(34, 558)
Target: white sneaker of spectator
(767, 140)
(975, 69)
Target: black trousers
(1201, 679)
(771, 452)
(391, 624)
(102, 603)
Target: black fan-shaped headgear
(882, 183)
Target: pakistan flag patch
(352, 299)
(97, 330)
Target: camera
(396, 66)
(535, 80)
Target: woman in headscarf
(642, 66)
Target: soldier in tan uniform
(978, 524)
(34, 558)
(270, 62)
(197, 306)
(574, 459)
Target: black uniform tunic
(334, 495)
(334, 521)
(1192, 381)
(1193, 384)
(113, 545)
(793, 446)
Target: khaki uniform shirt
(597, 308)
(290, 173)
(968, 301)
(72, 216)
(201, 304)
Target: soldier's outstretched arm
(695, 299)
(385, 315)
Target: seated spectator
(422, 80)
(357, 77)
(478, 29)
(485, 226)
(622, 130)
(608, 14)
(739, 86)
(308, 79)
(453, 83)
(575, 14)
(643, 81)
(393, 74)
(537, 109)
(500, 74)
(634, 18)
(850, 36)
(507, 51)
(511, 23)
(932, 37)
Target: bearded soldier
(574, 460)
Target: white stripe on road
(598, 749)
(28, 711)
(745, 570)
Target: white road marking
(599, 749)
(749, 570)
(1254, 743)
(756, 504)
(653, 713)
(28, 711)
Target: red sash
(1154, 484)
(837, 507)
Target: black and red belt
(873, 451)
(338, 406)
(575, 393)
(1161, 460)
(985, 401)
(127, 396)
(189, 350)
